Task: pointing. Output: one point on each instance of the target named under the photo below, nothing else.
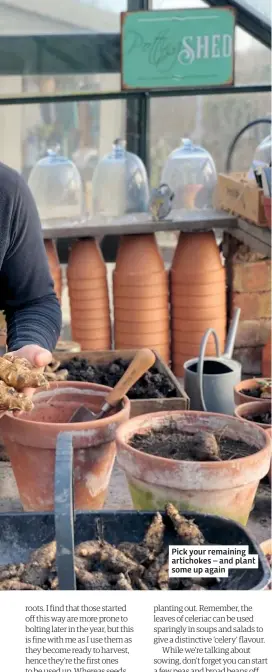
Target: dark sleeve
(31, 307)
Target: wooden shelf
(256, 237)
(180, 220)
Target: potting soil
(171, 443)
(260, 418)
(152, 385)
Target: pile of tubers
(102, 566)
(17, 374)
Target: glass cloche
(120, 183)
(56, 185)
(191, 174)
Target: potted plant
(258, 412)
(206, 462)
(253, 389)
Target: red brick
(253, 333)
(251, 360)
(254, 277)
(254, 306)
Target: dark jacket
(27, 294)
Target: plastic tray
(21, 533)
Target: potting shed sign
(177, 48)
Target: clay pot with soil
(204, 462)
(30, 441)
(254, 388)
(140, 295)
(258, 412)
(88, 294)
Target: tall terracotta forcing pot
(30, 441)
(224, 488)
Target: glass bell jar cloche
(262, 156)
(57, 188)
(191, 174)
(120, 183)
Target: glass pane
(42, 86)
(258, 6)
(85, 132)
(252, 59)
(36, 17)
(211, 121)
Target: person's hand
(37, 356)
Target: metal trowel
(143, 360)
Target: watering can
(209, 381)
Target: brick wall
(250, 290)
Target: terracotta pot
(98, 327)
(142, 316)
(252, 408)
(89, 342)
(85, 261)
(130, 328)
(200, 326)
(195, 337)
(224, 488)
(54, 266)
(94, 296)
(86, 264)
(139, 279)
(144, 304)
(92, 284)
(269, 432)
(138, 254)
(131, 341)
(78, 316)
(178, 367)
(266, 360)
(189, 313)
(196, 252)
(189, 350)
(195, 302)
(206, 278)
(96, 307)
(142, 291)
(202, 291)
(241, 398)
(30, 440)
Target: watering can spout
(232, 334)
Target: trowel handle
(200, 364)
(142, 361)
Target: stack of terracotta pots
(198, 297)
(89, 298)
(54, 265)
(140, 288)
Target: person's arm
(31, 307)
